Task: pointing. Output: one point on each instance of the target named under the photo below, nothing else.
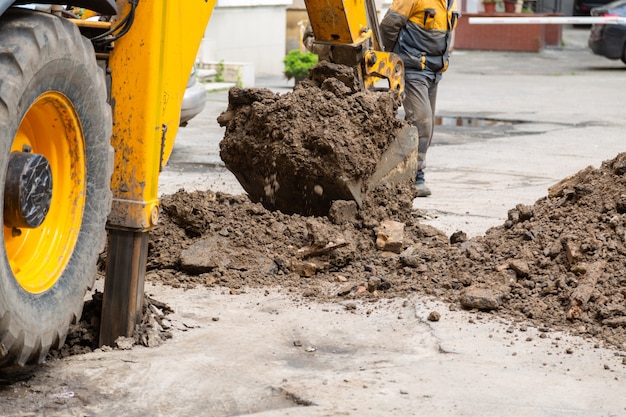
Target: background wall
(250, 31)
(260, 32)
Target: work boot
(422, 189)
(420, 185)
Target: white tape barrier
(556, 20)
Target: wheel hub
(27, 191)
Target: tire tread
(26, 38)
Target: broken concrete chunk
(124, 343)
(410, 257)
(303, 268)
(481, 298)
(552, 250)
(204, 256)
(342, 211)
(217, 252)
(520, 213)
(458, 237)
(572, 250)
(323, 236)
(520, 267)
(347, 290)
(434, 316)
(586, 285)
(318, 232)
(558, 189)
(390, 236)
(153, 338)
(615, 322)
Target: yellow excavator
(89, 110)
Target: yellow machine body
(349, 29)
(338, 21)
(385, 65)
(150, 67)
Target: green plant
(219, 75)
(297, 64)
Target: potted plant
(489, 6)
(513, 6)
(297, 64)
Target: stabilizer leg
(123, 288)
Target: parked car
(583, 7)
(609, 40)
(194, 99)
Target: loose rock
(390, 236)
(434, 316)
(481, 298)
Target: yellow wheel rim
(38, 256)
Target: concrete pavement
(268, 356)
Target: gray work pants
(419, 108)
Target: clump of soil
(298, 152)
(558, 264)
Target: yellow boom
(149, 66)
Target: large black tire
(42, 55)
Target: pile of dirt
(82, 337)
(558, 264)
(300, 151)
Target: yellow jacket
(420, 32)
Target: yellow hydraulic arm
(350, 29)
(149, 66)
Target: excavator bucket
(399, 161)
(337, 136)
(300, 151)
(397, 164)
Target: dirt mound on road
(82, 337)
(300, 151)
(558, 264)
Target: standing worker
(420, 31)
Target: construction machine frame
(89, 112)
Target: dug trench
(556, 265)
